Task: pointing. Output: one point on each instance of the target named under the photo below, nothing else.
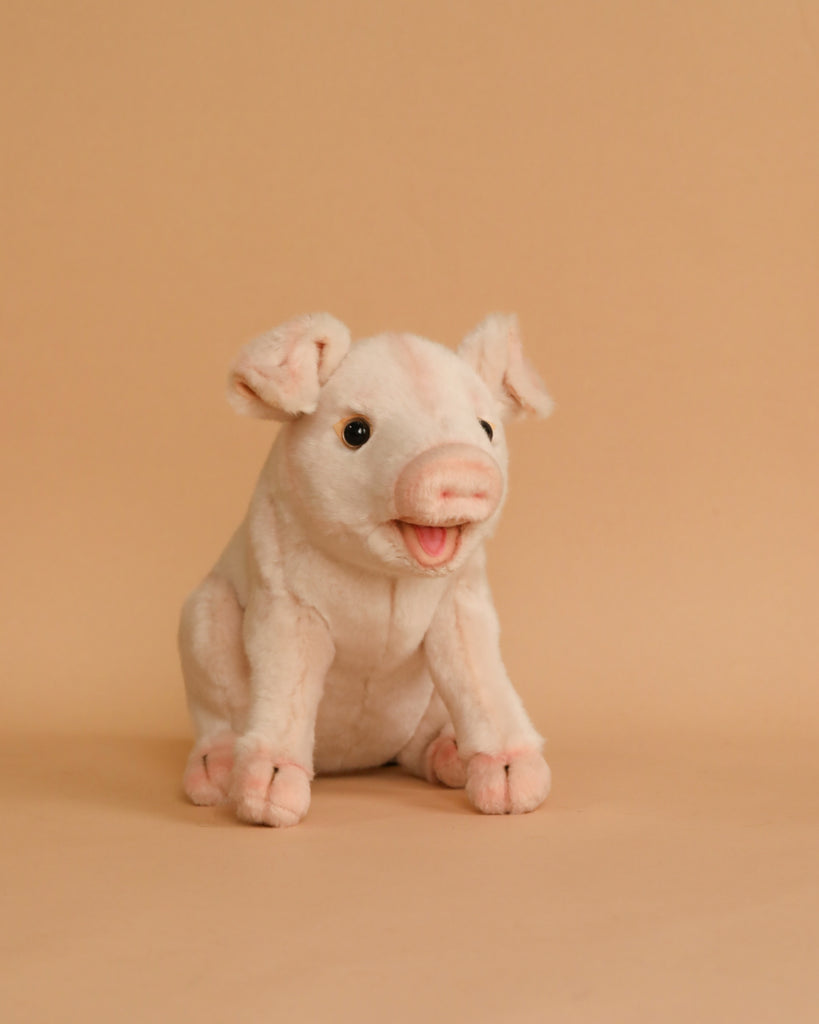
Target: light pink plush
(349, 622)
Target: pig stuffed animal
(349, 622)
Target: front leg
(506, 773)
(289, 650)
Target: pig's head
(393, 455)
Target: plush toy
(348, 622)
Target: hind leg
(432, 753)
(216, 683)
(206, 780)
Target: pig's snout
(449, 485)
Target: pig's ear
(279, 374)
(494, 351)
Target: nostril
(449, 481)
(446, 495)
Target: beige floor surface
(665, 881)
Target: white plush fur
(336, 632)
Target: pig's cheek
(320, 481)
(382, 544)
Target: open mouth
(430, 546)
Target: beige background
(638, 180)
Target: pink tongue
(431, 538)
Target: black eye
(490, 433)
(356, 432)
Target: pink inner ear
(320, 346)
(494, 351)
(278, 374)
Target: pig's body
(376, 689)
(349, 622)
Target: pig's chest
(378, 687)
(377, 628)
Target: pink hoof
(268, 791)
(509, 783)
(207, 774)
(444, 764)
